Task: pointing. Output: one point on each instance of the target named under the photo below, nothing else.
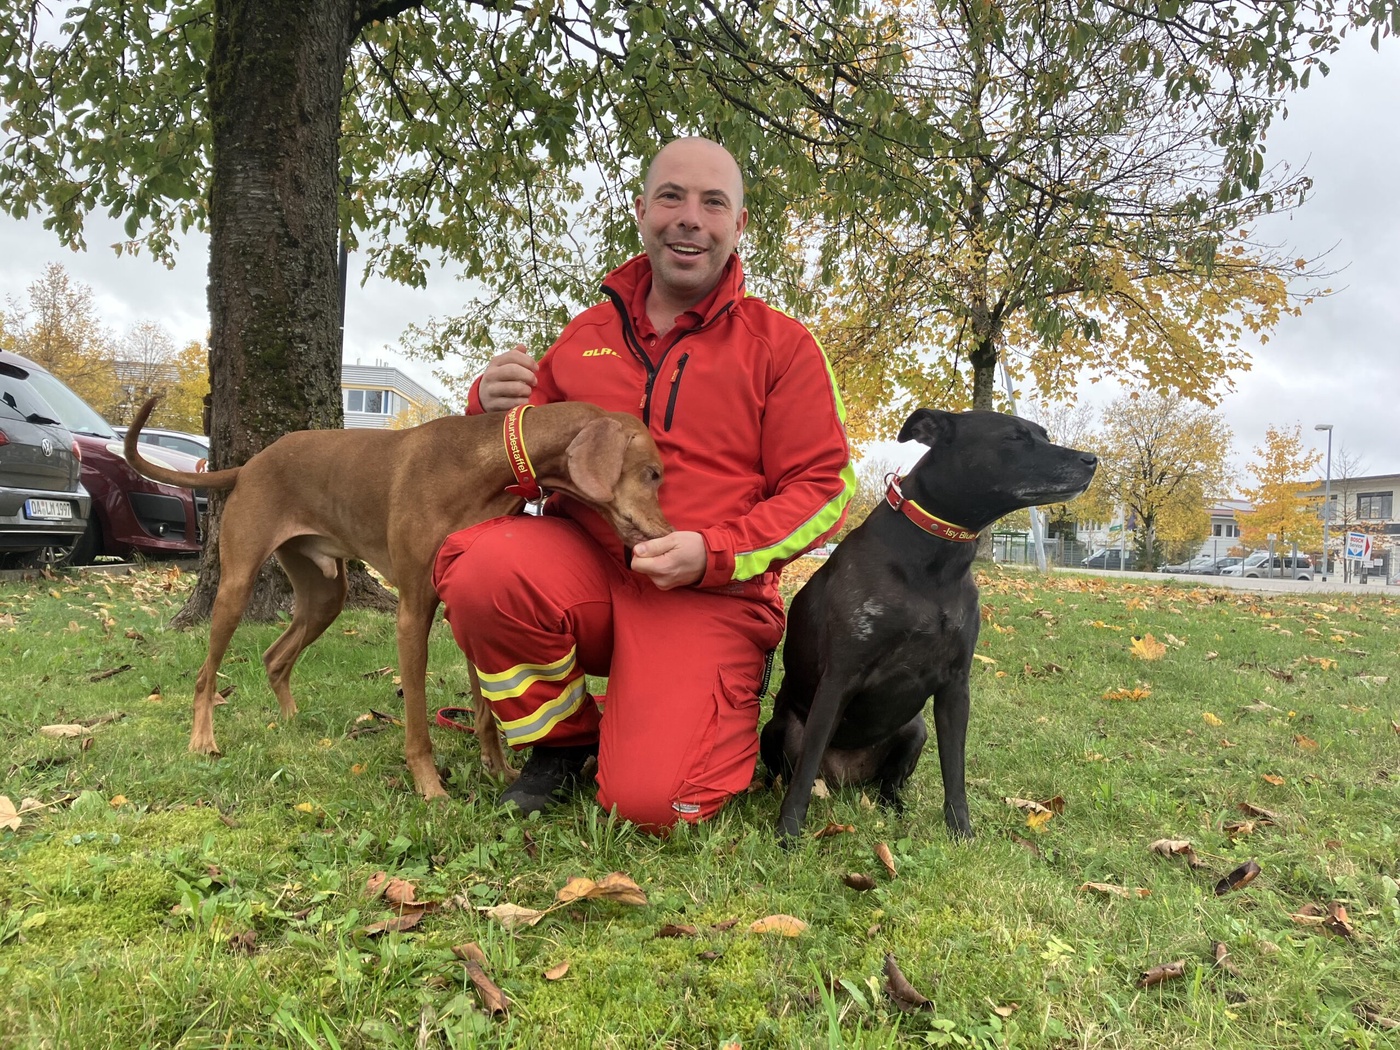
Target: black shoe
(550, 775)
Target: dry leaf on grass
(512, 915)
(1053, 806)
(672, 930)
(1238, 828)
(245, 942)
(835, 829)
(1332, 918)
(557, 971)
(397, 924)
(612, 887)
(1265, 816)
(785, 925)
(1221, 952)
(1211, 719)
(495, 1001)
(59, 732)
(1370, 1015)
(904, 994)
(1238, 879)
(1307, 743)
(1274, 779)
(1165, 972)
(885, 857)
(858, 881)
(1110, 890)
(1147, 648)
(1177, 848)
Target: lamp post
(1326, 498)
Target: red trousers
(536, 604)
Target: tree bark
(275, 83)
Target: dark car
(43, 505)
(1219, 565)
(1110, 558)
(1199, 564)
(129, 513)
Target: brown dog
(390, 497)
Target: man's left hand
(672, 561)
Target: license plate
(48, 508)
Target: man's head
(691, 213)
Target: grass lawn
(159, 899)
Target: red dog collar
(525, 485)
(934, 526)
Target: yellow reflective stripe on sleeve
(537, 725)
(506, 684)
(748, 564)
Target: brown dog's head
(614, 467)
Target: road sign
(1358, 546)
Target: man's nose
(689, 212)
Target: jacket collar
(630, 283)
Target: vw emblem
(47, 446)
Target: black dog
(892, 617)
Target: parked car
(43, 505)
(1219, 565)
(1282, 567)
(196, 445)
(1110, 558)
(1199, 564)
(129, 513)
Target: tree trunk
(275, 83)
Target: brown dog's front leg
(488, 734)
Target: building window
(1373, 506)
(374, 402)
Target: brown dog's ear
(928, 427)
(594, 458)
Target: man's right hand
(508, 380)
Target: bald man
(751, 429)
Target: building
(373, 395)
(1224, 528)
(1364, 504)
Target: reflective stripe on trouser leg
(538, 724)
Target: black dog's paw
(789, 831)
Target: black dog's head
(983, 465)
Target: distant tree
(871, 483)
(144, 365)
(59, 328)
(1069, 423)
(412, 415)
(1283, 469)
(1162, 457)
(183, 405)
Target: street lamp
(1326, 497)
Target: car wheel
(81, 551)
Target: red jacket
(743, 407)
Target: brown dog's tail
(219, 479)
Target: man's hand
(672, 561)
(508, 380)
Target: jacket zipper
(629, 336)
(675, 389)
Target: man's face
(690, 214)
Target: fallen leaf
(709, 956)
(1165, 972)
(1108, 889)
(1274, 779)
(1307, 743)
(1177, 848)
(59, 732)
(1371, 1016)
(1006, 1011)
(1332, 918)
(983, 659)
(117, 801)
(243, 942)
(1237, 828)
(904, 994)
(1211, 719)
(493, 1000)
(1238, 879)
(726, 924)
(672, 930)
(512, 915)
(1211, 656)
(1259, 707)
(819, 789)
(1134, 694)
(858, 881)
(1265, 815)
(786, 925)
(885, 857)
(1221, 952)
(1037, 821)
(1025, 843)
(556, 971)
(9, 816)
(614, 887)
(835, 829)
(1147, 648)
(397, 924)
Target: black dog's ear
(928, 427)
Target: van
(1282, 567)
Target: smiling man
(744, 410)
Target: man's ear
(928, 427)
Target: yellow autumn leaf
(304, 807)
(1211, 720)
(785, 925)
(1148, 648)
(1037, 821)
(117, 801)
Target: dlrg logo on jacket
(602, 351)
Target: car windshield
(1256, 559)
(72, 410)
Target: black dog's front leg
(950, 712)
(825, 713)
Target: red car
(130, 514)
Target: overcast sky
(1338, 363)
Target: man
(750, 427)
